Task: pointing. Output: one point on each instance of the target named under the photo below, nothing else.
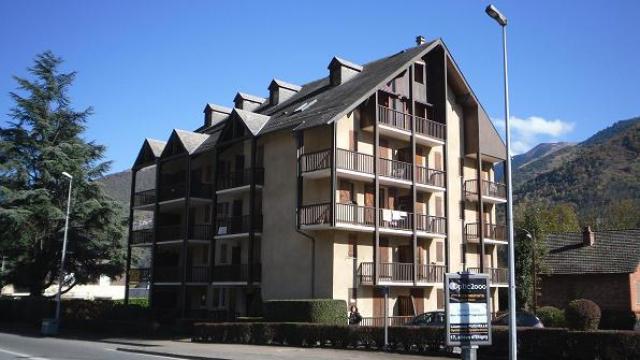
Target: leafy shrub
(325, 311)
(551, 316)
(618, 320)
(582, 314)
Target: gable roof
(245, 96)
(614, 251)
(284, 84)
(253, 121)
(333, 102)
(151, 149)
(188, 140)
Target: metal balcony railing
(354, 161)
(489, 188)
(431, 224)
(431, 177)
(498, 276)
(316, 214)
(491, 231)
(431, 273)
(198, 273)
(238, 224)
(431, 128)
(141, 236)
(396, 272)
(396, 219)
(395, 169)
(167, 274)
(317, 160)
(145, 197)
(236, 272)
(172, 191)
(394, 118)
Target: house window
(439, 251)
(419, 73)
(220, 298)
(352, 246)
(223, 254)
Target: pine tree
(43, 138)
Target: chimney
(213, 114)
(247, 102)
(340, 70)
(588, 237)
(420, 40)
(280, 91)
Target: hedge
(532, 343)
(324, 311)
(551, 316)
(582, 314)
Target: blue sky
(150, 66)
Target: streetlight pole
(495, 14)
(64, 250)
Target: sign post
(468, 321)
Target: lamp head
(67, 174)
(496, 15)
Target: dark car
(429, 319)
(523, 319)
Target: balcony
(239, 180)
(429, 132)
(198, 274)
(238, 225)
(167, 274)
(236, 273)
(431, 273)
(398, 125)
(349, 164)
(396, 273)
(395, 119)
(175, 233)
(347, 215)
(430, 179)
(492, 233)
(498, 276)
(137, 276)
(395, 220)
(144, 199)
(494, 193)
(142, 237)
(434, 225)
(178, 191)
(394, 172)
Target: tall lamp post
(496, 15)
(64, 250)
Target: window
(419, 73)
(353, 249)
(439, 251)
(219, 298)
(223, 254)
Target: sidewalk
(185, 349)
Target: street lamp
(496, 15)
(64, 249)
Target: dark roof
(151, 149)
(254, 122)
(614, 251)
(343, 62)
(335, 101)
(249, 97)
(284, 84)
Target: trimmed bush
(618, 320)
(551, 316)
(324, 311)
(541, 344)
(582, 314)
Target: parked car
(429, 319)
(523, 319)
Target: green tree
(622, 214)
(43, 138)
(529, 235)
(560, 218)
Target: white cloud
(526, 133)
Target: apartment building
(377, 175)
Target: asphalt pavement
(28, 345)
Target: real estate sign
(468, 320)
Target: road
(30, 346)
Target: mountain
(520, 163)
(603, 168)
(118, 186)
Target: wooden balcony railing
(145, 197)
(497, 275)
(396, 219)
(167, 274)
(431, 273)
(378, 321)
(317, 160)
(236, 272)
(354, 161)
(431, 128)
(395, 169)
(198, 273)
(316, 214)
(394, 118)
(431, 177)
(238, 224)
(139, 275)
(431, 224)
(240, 178)
(491, 231)
(172, 191)
(489, 188)
(170, 233)
(141, 236)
